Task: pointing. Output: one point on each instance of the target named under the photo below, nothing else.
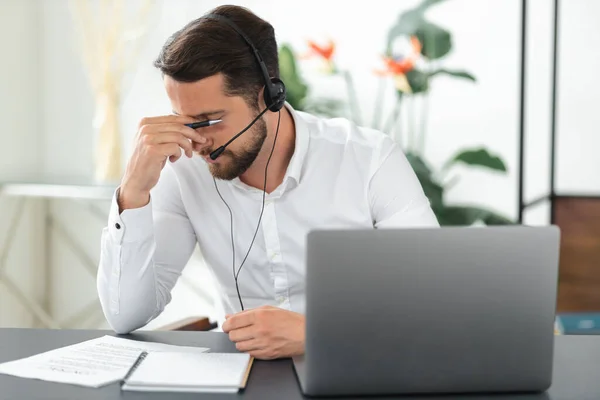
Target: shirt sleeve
(143, 253)
(396, 197)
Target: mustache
(203, 151)
(206, 152)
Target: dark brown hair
(206, 47)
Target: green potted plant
(414, 50)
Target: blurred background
(493, 101)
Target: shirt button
(117, 225)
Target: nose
(203, 148)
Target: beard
(235, 164)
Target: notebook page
(180, 369)
(92, 363)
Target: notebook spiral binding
(135, 365)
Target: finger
(173, 137)
(170, 150)
(254, 310)
(250, 310)
(165, 119)
(249, 345)
(186, 131)
(242, 334)
(238, 321)
(245, 318)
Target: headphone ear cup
(275, 95)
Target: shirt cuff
(132, 225)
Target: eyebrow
(205, 114)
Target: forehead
(188, 98)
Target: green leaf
(407, 24)
(417, 163)
(432, 189)
(456, 74)
(496, 219)
(296, 88)
(478, 157)
(418, 81)
(466, 216)
(410, 20)
(436, 41)
(413, 22)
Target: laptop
(430, 311)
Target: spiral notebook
(187, 372)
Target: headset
(275, 97)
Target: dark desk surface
(576, 371)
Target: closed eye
(210, 115)
(216, 114)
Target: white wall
(20, 153)
(486, 36)
(579, 136)
(67, 104)
(20, 96)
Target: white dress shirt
(340, 176)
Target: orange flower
(325, 52)
(398, 66)
(401, 65)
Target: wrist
(129, 198)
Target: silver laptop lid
(430, 310)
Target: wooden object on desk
(579, 283)
(190, 324)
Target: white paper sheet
(93, 363)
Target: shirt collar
(302, 133)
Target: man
(251, 207)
